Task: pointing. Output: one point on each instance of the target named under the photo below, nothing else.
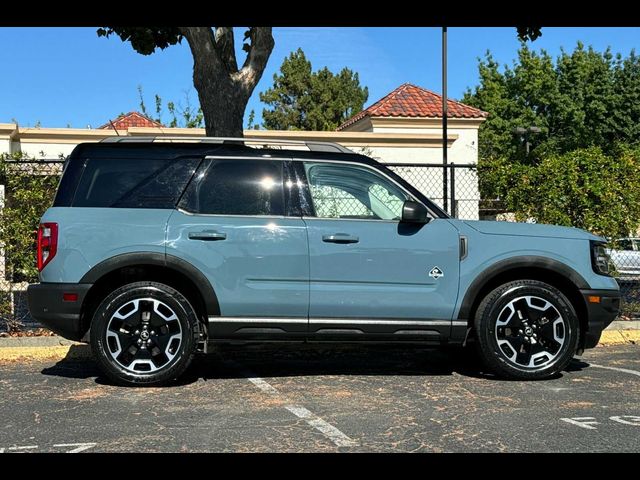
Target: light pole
(444, 119)
(524, 133)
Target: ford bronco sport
(154, 249)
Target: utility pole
(444, 120)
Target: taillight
(47, 243)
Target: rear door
(232, 224)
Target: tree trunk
(223, 90)
(223, 105)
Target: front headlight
(600, 260)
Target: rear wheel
(144, 333)
(526, 329)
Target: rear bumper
(47, 306)
(600, 314)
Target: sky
(59, 77)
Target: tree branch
(203, 47)
(225, 45)
(261, 46)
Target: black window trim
(208, 159)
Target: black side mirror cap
(414, 212)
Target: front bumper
(48, 307)
(600, 314)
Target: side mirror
(414, 212)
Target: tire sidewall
(486, 319)
(113, 302)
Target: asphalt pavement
(292, 398)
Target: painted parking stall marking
(583, 422)
(589, 423)
(623, 370)
(69, 447)
(324, 427)
(75, 447)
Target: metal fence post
(454, 207)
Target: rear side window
(134, 183)
(236, 187)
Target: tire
(540, 344)
(144, 333)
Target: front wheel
(144, 333)
(526, 329)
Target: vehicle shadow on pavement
(273, 360)
(281, 360)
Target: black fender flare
(158, 259)
(514, 263)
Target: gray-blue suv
(156, 250)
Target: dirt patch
(37, 332)
(87, 394)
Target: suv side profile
(155, 250)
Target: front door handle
(340, 238)
(207, 235)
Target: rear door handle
(207, 235)
(340, 238)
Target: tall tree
(581, 99)
(301, 99)
(223, 88)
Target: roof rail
(312, 145)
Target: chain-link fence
(453, 187)
(27, 188)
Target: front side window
(236, 187)
(353, 192)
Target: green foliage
(144, 40)
(529, 33)
(180, 115)
(584, 188)
(582, 99)
(29, 190)
(301, 99)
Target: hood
(530, 230)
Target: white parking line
(80, 447)
(624, 370)
(584, 422)
(26, 447)
(324, 427)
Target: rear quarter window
(133, 183)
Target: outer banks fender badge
(436, 273)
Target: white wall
(49, 151)
(51, 143)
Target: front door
(372, 275)
(231, 224)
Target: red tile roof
(131, 119)
(411, 101)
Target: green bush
(30, 186)
(583, 188)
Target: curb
(57, 348)
(620, 337)
(59, 352)
(624, 325)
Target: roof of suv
(176, 149)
